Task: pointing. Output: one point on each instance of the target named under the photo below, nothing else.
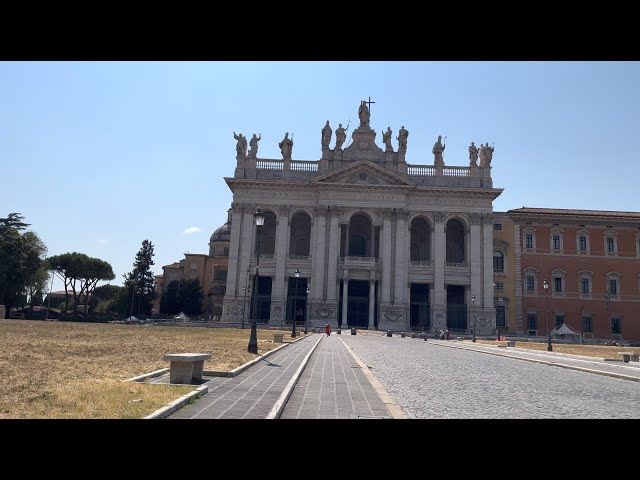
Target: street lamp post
(244, 302)
(545, 284)
(133, 295)
(473, 312)
(295, 304)
(258, 218)
(306, 317)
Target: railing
(360, 259)
(298, 257)
(269, 164)
(419, 263)
(304, 166)
(421, 170)
(457, 264)
(456, 171)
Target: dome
(222, 234)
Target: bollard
(389, 333)
(353, 331)
(402, 334)
(339, 331)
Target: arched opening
(498, 261)
(455, 242)
(300, 237)
(360, 236)
(420, 240)
(267, 235)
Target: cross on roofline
(369, 103)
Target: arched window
(498, 261)
(455, 242)
(420, 240)
(300, 238)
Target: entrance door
(420, 312)
(456, 309)
(358, 304)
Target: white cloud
(190, 230)
(102, 241)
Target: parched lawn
(75, 370)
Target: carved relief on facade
(475, 218)
(283, 210)
(401, 214)
(488, 217)
(249, 207)
(277, 312)
(393, 316)
(324, 312)
(387, 213)
(376, 215)
(234, 309)
(439, 216)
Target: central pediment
(363, 173)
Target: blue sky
(99, 156)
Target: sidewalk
(254, 392)
(333, 385)
(616, 369)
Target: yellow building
(504, 273)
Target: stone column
(439, 317)
(332, 260)
(386, 256)
(233, 299)
(489, 310)
(346, 239)
(345, 299)
(401, 258)
(475, 257)
(278, 288)
(372, 297)
(317, 286)
(373, 240)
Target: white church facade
(378, 243)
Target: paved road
(432, 381)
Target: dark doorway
(420, 312)
(261, 304)
(296, 299)
(456, 308)
(358, 304)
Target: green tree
(21, 255)
(184, 295)
(190, 296)
(93, 271)
(168, 303)
(70, 266)
(140, 281)
(37, 285)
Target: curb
(392, 406)
(238, 370)
(552, 364)
(143, 377)
(277, 409)
(176, 405)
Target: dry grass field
(75, 370)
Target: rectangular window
(220, 274)
(226, 251)
(556, 242)
(194, 266)
(497, 226)
(610, 245)
(584, 285)
(615, 325)
(586, 324)
(613, 287)
(583, 243)
(528, 240)
(532, 321)
(501, 317)
(498, 263)
(559, 321)
(531, 283)
(557, 283)
(499, 286)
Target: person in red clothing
(327, 328)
